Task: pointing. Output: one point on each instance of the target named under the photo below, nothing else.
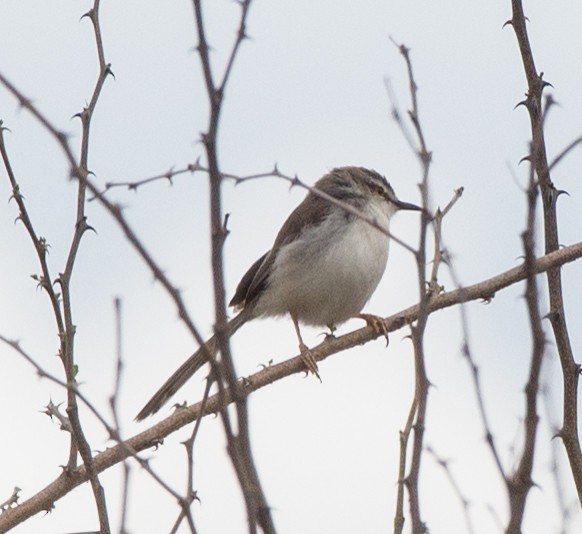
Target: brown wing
(242, 290)
(309, 212)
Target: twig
(418, 329)
(489, 438)
(113, 400)
(404, 437)
(465, 503)
(556, 455)
(571, 146)
(189, 445)
(40, 244)
(520, 482)
(433, 286)
(79, 441)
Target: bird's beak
(407, 206)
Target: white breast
(327, 275)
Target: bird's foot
(376, 323)
(309, 360)
(329, 336)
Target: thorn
(193, 167)
(507, 23)
(49, 509)
(16, 194)
(561, 192)
(169, 175)
(525, 158)
(108, 71)
(89, 15)
(294, 181)
(156, 444)
(522, 103)
(545, 83)
(179, 405)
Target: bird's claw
(309, 360)
(376, 323)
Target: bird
(322, 269)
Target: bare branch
(421, 380)
(519, 484)
(238, 443)
(549, 195)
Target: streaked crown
(358, 184)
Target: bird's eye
(380, 190)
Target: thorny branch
(61, 304)
(239, 445)
(191, 494)
(275, 172)
(520, 482)
(438, 257)
(549, 195)
(419, 404)
(67, 352)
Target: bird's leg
(306, 354)
(377, 324)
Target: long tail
(187, 369)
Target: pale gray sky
(308, 93)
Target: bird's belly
(326, 281)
